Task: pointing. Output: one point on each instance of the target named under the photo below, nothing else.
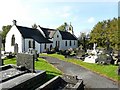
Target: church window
(33, 44)
(56, 43)
(29, 44)
(65, 43)
(45, 46)
(74, 42)
(70, 43)
(13, 40)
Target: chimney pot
(14, 22)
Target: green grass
(10, 61)
(109, 71)
(51, 71)
(41, 64)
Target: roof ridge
(47, 28)
(26, 27)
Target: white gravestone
(92, 58)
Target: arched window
(51, 47)
(13, 40)
(29, 44)
(70, 43)
(65, 43)
(33, 44)
(56, 44)
(74, 42)
(45, 46)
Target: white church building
(39, 39)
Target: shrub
(51, 51)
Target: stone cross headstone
(26, 60)
(0, 51)
(94, 46)
(34, 52)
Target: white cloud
(13, 9)
(91, 20)
(65, 15)
(65, 11)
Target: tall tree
(62, 27)
(105, 31)
(5, 30)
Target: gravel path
(91, 79)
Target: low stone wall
(51, 84)
(26, 83)
(79, 85)
(58, 83)
(5, 67)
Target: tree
(105, 31)
(34, 26)
(83, 40)
(62, 27)
(5, 30)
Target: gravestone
(1, 62)
(16, 48)
(34, 52)
(105, 59)
(26, 60)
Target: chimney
(14, 22)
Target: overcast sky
(51, 13)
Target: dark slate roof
(48, 32)
(33, 34)
(67, 36)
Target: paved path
(91, 80)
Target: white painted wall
(64, 47)
(23, 44)
(27, 44)
(18, 39)
(55, 38)
(62, 42)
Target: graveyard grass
(109, 71)
(41, 64)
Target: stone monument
(16, 48)
(26, 60)
(34, 52)
(93, 55)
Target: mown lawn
(109, 71)
(41, 64)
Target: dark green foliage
(5, 30)
(62, 27)
(83, 40)
(105, 31)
